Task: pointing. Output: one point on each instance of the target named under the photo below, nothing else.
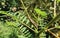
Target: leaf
(58, 1)
(57, 26)
(42, 13)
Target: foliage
(42, 13)
(58, 1)
(29, 19)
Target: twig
(53, 34)
(52, 21)
(28, 27)
(51, 28)
(54, 8)
(3, 16)
(29, 17)
(49, 24)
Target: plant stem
(53, 34)
(48, 25)
(29, 17)
(54, 8)
(28, 27)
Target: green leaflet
(25, 33)
(42, 13)
(57, 26)
(58, 1)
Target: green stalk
(49, 24)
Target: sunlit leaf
(58, 1)
(42, 13)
